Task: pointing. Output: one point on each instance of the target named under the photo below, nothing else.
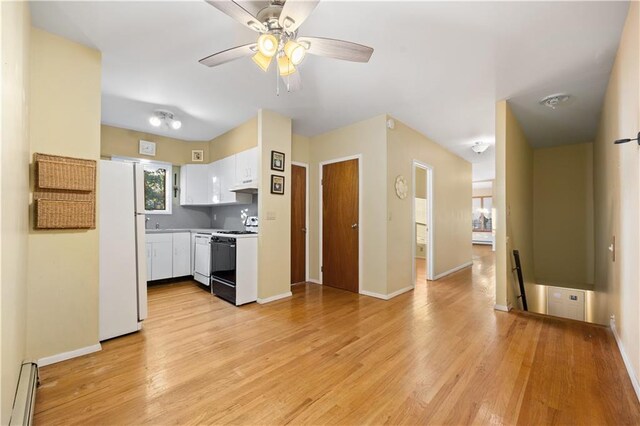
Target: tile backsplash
(230, 217)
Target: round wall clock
(401, 187)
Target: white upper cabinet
(247, 167)
(211, 184)
(195, 188)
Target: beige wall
(274, 211)
(63, 266)
(125, 143)
(300, 148)
(421, 182)
(500, 206)
(514, 205)
(14, 192)
(367, 138)
(239, 139)
(616, 181)
(563, 215)
(451, 204)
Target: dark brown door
(340, 225)
(298, 223)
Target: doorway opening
(422, 229)
(299, 221)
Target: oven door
(223, 262)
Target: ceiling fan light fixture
(262, 61)
(285, 67)
(295, 51)
(268, 45)
(176, 124)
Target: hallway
(437, 355)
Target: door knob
(354, 226)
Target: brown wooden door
(340, 225)
(298, 223)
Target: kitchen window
(157, 188)
(158, 184)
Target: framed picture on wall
(197, 155)
(277, 184)
(277, 161)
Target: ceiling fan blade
(240, 14)
(292, 82)
(338, 49)
(229, 55)
(294, 13)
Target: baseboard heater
(25, 399)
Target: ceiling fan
(278, 22)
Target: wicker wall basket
(64, 193)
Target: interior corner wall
(563, 227)
(125, 143)
(500, 205)
(274, 210)
(238, 139)
(514, 173)
(452, 186)
(368, 138)
(62, 271)
(617, 207)
(15, 25)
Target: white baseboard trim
(625, 359)
(274, 298)
(48, 360)
(314, 281)
(502, 308)
(373, 294)
(451, 271)
(386, 296)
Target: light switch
(271, 215)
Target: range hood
(246, 188)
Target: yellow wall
(63, 266)
(500, 206)
(368, 138)
(421, 182)
(239, 139)
(563, 215)
(14, 192)
(300, 148)
(451, 204)
(274, 211)
(514, 205)
(125, 143)
(616, 180)
(519, 198)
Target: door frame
(306, 218)
(320, 213)
(430, 249)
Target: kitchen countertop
(215, 232)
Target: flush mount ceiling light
(554, 101)
(167, 118)
(480, 147)
(278, 25)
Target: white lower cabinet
(181, 254)
(168, 255)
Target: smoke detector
(554, 101)
(480, 147)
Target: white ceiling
(439, 67)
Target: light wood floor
(437, 355)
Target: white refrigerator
(123, 270)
